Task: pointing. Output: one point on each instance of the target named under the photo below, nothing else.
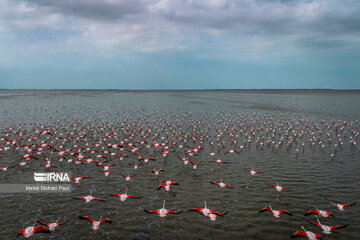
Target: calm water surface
(312, 177)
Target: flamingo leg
(249, 182)
(92, 234)
(162, 222)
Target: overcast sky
(180, 44)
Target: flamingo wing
(96, 198)
(338, 226)
(311, 211)
(222, 214)
(330, 213)
(214, 212)
(43, 223)
(318, 235)
(81, 197)
(60, 223)
(152, 211)
(196, 209)
(160, 186)
(106, 220)
(21, 231)
(298, 234)
(285, 211)
(87, 218)
(265, 209)
(215, 183)
(172, 211)
(173, 183)
(132, 196)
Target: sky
(179, 44)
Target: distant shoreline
(163, 90)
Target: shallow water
(311, 176)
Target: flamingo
(124, 196)
(6, 168)
(106, 168)
(29, 231)
(184, 160)
(221, 184)
(278, 187)
(77, 179)
(276, 213)
(232, 151)
(48, 164)
(52, 226)
(128, 177)
(205, 211)
(167, 185)
(162, 211)
(322, 213)
(326, 229)
(89, 198)
(28, 156)
(165, 152)
(147, 159)
(341, 206)
(135, 165)
(157, 171)
(106, 173)
(219, 161)
(194, 165)
(96, 224)
(252, 172)
(308, 234)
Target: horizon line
(199, 89)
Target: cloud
(94, 10)
(243, 28)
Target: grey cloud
(318, 43)
(96, 10)
(169, 23)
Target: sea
(304, 140)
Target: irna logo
(51, 177)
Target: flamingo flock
(149, 143)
